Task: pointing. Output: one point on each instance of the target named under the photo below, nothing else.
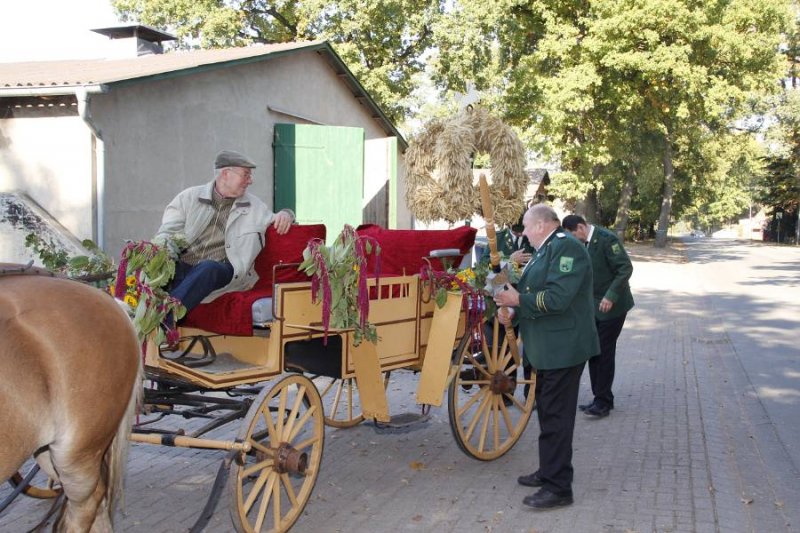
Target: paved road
(754, 292)
(704, 436)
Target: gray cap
(229, 158)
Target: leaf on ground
(747, 501)
(416, 465)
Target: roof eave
(61, 90)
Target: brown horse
(70, 381)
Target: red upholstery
(232, 313)
(402, 250)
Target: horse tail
(117, 453)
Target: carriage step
(402, 423)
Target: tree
(583, 80)
(780, 188)
(382, 41)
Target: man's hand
(505, 315)
(507, 298)
(520, 257)
(606, 305)
(282, 222)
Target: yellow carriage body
(404, 318)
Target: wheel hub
(288, 459)
(502, 383)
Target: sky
(38, 30)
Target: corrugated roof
(42, 78)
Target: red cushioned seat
(232, 313)
(402, 251)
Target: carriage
(262, 358)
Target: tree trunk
(624, 206)
(666, 200)
(589, 207)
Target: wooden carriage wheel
(341, 400)
(42, 486)
(487, 404)
(269, 486)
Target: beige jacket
(190, 212)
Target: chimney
(134, 41)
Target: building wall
(161, 136)
(50, 159)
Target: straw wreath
(439, 184)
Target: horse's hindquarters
(68, 380)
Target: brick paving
(687, 449)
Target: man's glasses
(244, 173)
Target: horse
(70, 385)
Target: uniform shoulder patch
(566, 264)
(615, 248)
(561, 234)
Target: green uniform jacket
(555, 313)
(612, 270)
(507, 246)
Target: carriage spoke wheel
(487, 405)
(341, 400)
(269, 486)
(42, 486)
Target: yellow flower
(130, 281)
(131, 300)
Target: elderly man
(553, 309)
(225, 227)
(612, 269)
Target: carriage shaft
(183, 441)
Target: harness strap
(19, 488)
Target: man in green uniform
(554, 311)
(514, 244)
(612, 269)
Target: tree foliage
(642, 105)
(587, 81)
(382, 41)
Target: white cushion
(262, 311)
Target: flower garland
(471, 282)
(144, 270)
(468, 281)
(339, 280)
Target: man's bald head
(540, 220)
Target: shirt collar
(591, 233)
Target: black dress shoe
(531, 480)
(597, 411)
(546, 499)
(585, 406)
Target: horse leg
(84, 484)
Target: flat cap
(229, 158)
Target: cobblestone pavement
(674, 456)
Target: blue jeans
(192, 283)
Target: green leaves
(382, 41)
